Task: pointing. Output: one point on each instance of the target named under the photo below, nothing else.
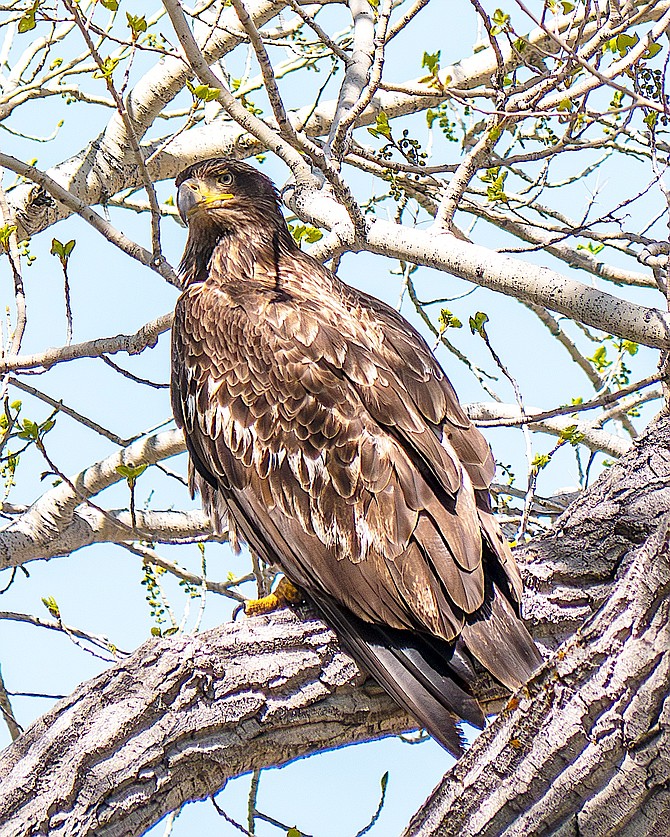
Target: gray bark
(181, 716)
(583, 750)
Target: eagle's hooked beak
(194, 193)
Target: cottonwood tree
(532, 165)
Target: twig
(68, 411)
(223, 588)
(96, 639)
(71, 6)
(127, 374)
(600, 401)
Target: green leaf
(136, 23)
(652, 50)
(108, 67)
(112, 5)
(6, 233)
(650, 119)
(382, 127)
(205, 93)
(27, 22)
(384, 781)
(431, 61)
(565, 105)
(570, 434)
(540, 461)
(478, 322)
(624, 42)
(293, 831)
(30, 431)
(496, 178)
(52, 606)
(592, 248)
(62, 251)
(155, 631)
(312, 235)
(599, 359)
(130, 472)
(490, 175)
(305, 232)
(448, 320)
(630, 347)
(501, 22)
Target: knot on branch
(32, 212)
(655, 255)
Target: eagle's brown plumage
(321, 429)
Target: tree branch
(584, 748)
(181, 716)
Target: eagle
(322, 431)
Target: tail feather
(416, 671)
(501, 643)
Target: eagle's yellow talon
(285, 594)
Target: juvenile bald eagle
(322, 430)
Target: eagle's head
(226, 194)
(231, 205)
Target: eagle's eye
(226, 179)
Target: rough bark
(585, 749)
(569, 572)
(180, 716)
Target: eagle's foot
(284, 594)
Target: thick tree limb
(178, 718)
(182, 715)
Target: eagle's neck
(250, 252)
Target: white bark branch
(61, 521)
(144, 338)
(593, 437)
(500, 273)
